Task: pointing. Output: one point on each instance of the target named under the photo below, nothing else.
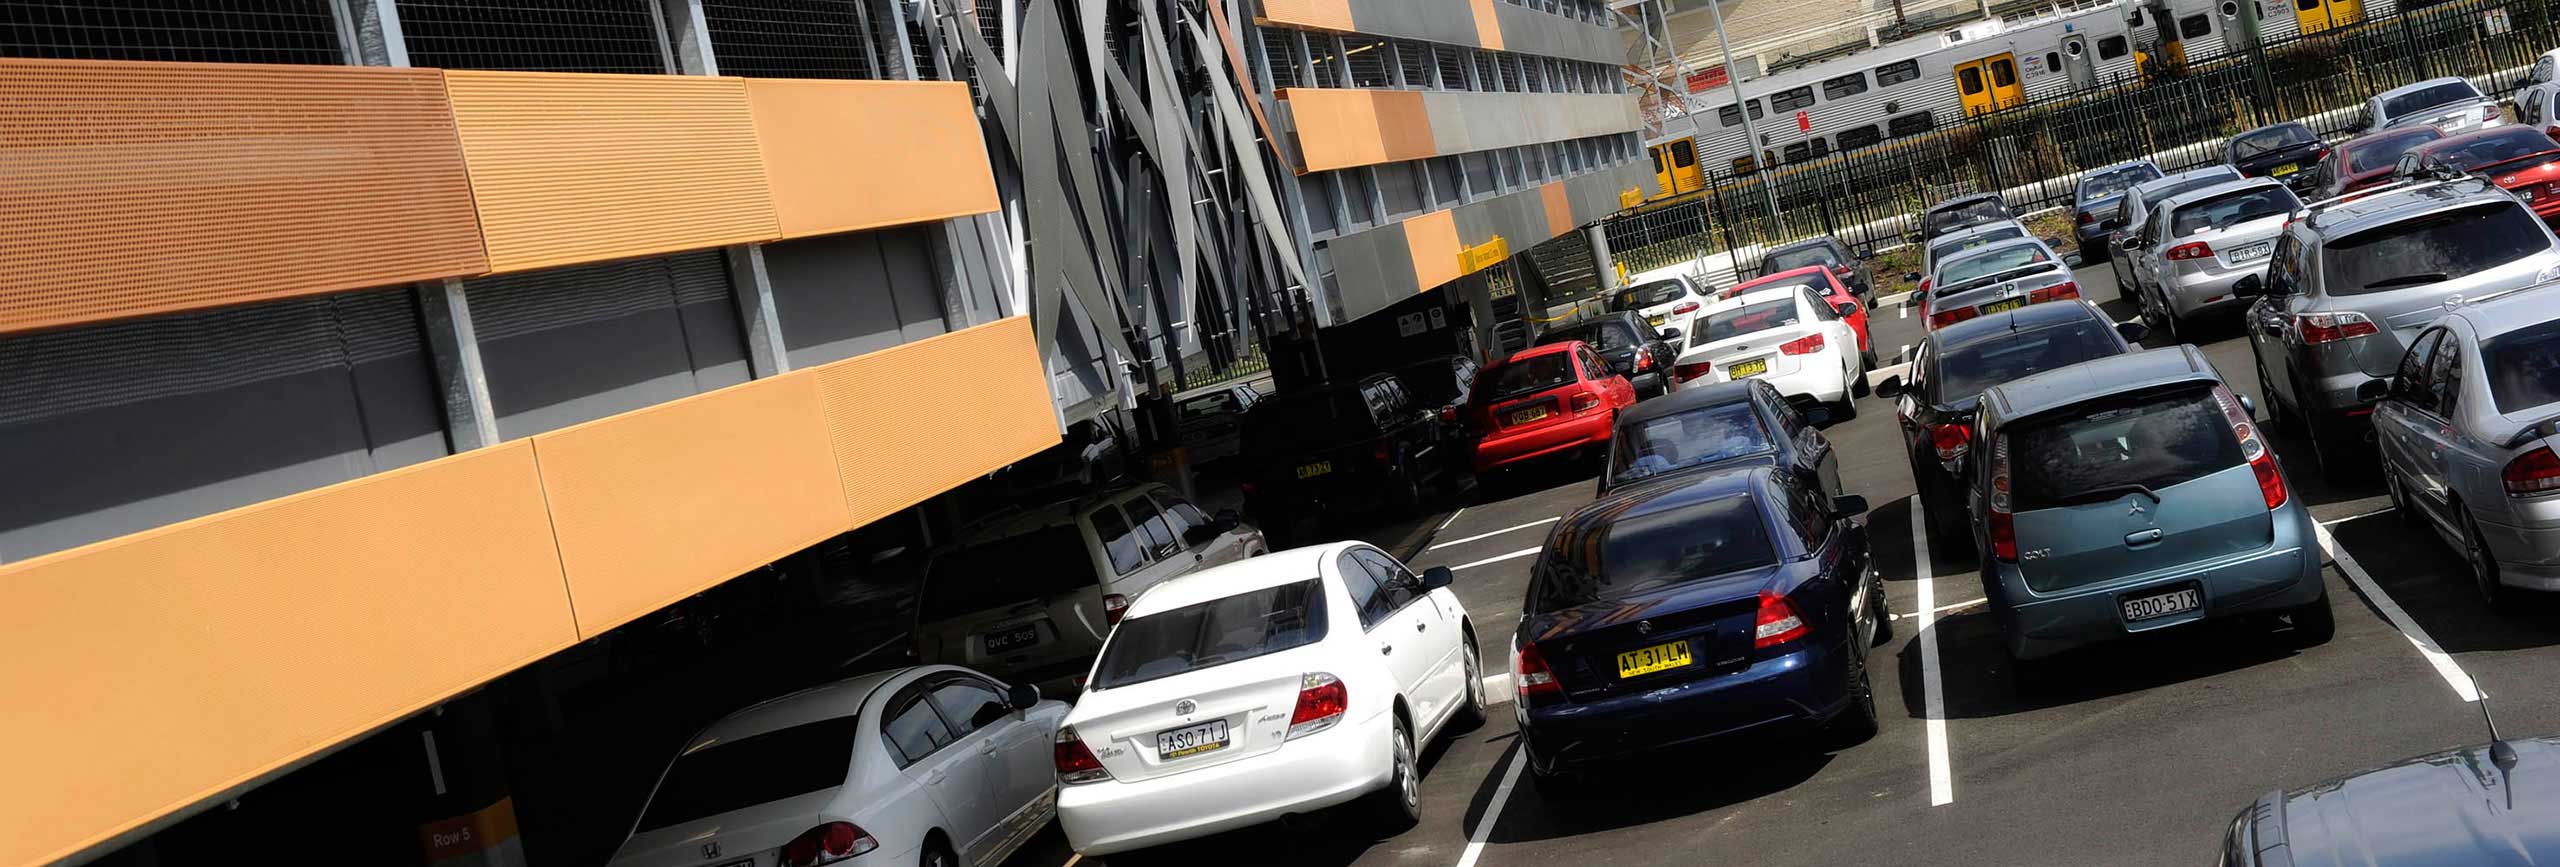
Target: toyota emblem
(1186, 707)
(711, 849)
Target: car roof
(2503, 312)
(1689, 397)
(1058, 513)
(842, 698)
(1243, 576)
(2278, 125)
(2413, 88)
(2127, 164)
(2202, 193)
(1789, 274)
(2098, 378)
(2028, 318)
(2391, 206)
(2373, 138)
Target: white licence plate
(2180, 601)
(2252, 252)
(1206, 737)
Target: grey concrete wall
(571, 345)
(1449, 21)
(1463, 122)
(1530, 31)
(844, 295)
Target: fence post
(2409, 48)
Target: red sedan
(2521, 160)
(1827, 283)
(1547, 400)
(2367, 161)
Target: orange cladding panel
(656, 504)
(573, 167)
(1433, 240)
(1344, 128)
(149, 672)
(1559, 209)
(1334, 15)
(1488, 25)
(849, 155)
(139, 188)
(922, 418)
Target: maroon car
(2520, 159)
(2367, 161)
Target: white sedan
(1661, 300)
(1786, 335)
(916, 766)
(1282, 684)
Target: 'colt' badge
(1186, 707)
(711, 849)
(1644, 627)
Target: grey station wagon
(2131, 494)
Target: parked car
(1826, 251)
(1952, 243)
(1445, 385)
(1661, 302)
(1825, 284)
(2131, 494)
(1700, 607)
(2465, 806)
(2467, 425)
(2367, 161)
(1211, 423)
(2353, 282)
(2093, 205)
(1962, 212)
(1545, 401)
(2520, 160)
(1633, 349)
(1344, 447)
(934, 765)
(2199, 243)
(1996, 277)
(2137, 206)
(1279, 685)
(1936, 398)
(2286, 151)
(2449, 103)
(1717, 426)
(1028, 596)
(1786, 334)
(2538, 103)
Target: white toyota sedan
(1282, 684)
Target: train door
(1685, 173)
(2076, 60)
(1989, 84)
(2319, 15)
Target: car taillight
(1809, 343)
(2049, 293)
(2319, 328)
(1777, 622)
(1535, 679)
(826, 844)
(1644, 361)
(1944, 318)
(1448, 415)
(1322, 699)
(2489, 113)
(1951, 440)
(1586, 402)
(1380, 454)
(1114, 605)
(2088, 216)
(1076, 763)
(2002, 525)
(1685, 307)
(1687, 372)
(2191, 250)
(2534, 474)
(2252, 448)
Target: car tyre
(2278, 419)
(1404, 494)
(1398, 807)
(2483, 568)
(1855, 724)
(2401, 503)
(1471, 715)
(2313, 624)
(937, 854)
(1946, 522)
(1883, 615)
(1557, 786)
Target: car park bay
(2139, 752)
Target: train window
(2004, 72)
(1971, 80)
(2307, 5)
(1791, 100)
(1754, 106)
(1914, 123)
(1730, 115)
(1858, 137)
(1657, 161)
(2194, 26)
(1892, 74)
(1683, 154)
(1821, 147)
(1798, 152)
(2114, 47)
(1742, 165)
(1851, 84)
(2053, 60)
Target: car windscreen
(1289, 423)
(2425, 98)
(1652, 294)
(1964, 370)
(1993, 262)
(2498, 147)
(2267, 141)
(2524, 367)
(1940, 252)
(734, 775)
(2096, 451)
(2431, 249)
(1216, 632)
(1972, 213)
(1687, 439)
(2114, 182)
(1004, 572)
(1783, 261)
(2231, 209)
(1646, 552)
(1737, 321)
(2384, 151)
(1529, 376)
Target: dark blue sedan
(1695, 607)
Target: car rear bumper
(2283, 575)
(1808, 686)
(1311, 773)
(2190, 295)
(1816, 377)
(1498, 450)
(2527, 556)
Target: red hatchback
(2366, 161)
(1826, 283)
(1547, 400)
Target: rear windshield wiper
(2103, 493)
(2408, 280)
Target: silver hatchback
(2198, 243)
(2468, 424)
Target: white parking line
(1515, 555)
(1906, 311)
(1942, 609)
(2453, 674)
(2336, 521)
(1494, 533)
(1933, 709)
(1493, 810)
(1453, 516)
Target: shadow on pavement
(1334, 837)
(1659, 786)
(1974, 669)
(2428, 580)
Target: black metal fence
(2034, 154)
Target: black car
(1623, 340)
(2286, 151)
(1954, 364)
(2475, 805)
(1699, 607)
(1704, 428)
(1443, 385)
(1341, 447)
(1825, 251)
(1962, 212)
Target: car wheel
(937, 854)
(2484, 569)
(1946, 522)
(2313, 624)
(2175, 326)
(2277, 420)
(1398, 807)
(1471, 714)
(1857, 723)
(1558, 787)
(1404, 493)
(2401, 503)
(1883, 615)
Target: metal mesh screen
(1368, 62)
(215, 31)
(792, 38)
(1280, 55)
(1414, 60)
(534, 35)
(1453, 66)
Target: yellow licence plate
(1529, 415)
(1313, 470)
(2004, 304)
(2286, 169)
(1652, 659)
(1656, 321)
(1754, 367)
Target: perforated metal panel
(213, 31)
(535, 35)
(792, 38)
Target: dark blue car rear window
(1650, 551)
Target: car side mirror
(2375, 389)
(1849, 506)
(1201, 534)
(1670, 335)
(2132, 332)
(2071, 259)
(1889, 389)
(2129, 242)
(2249, 286)
(1845, 308)
(1226, 519)
(1437, 577)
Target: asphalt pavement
(2141, 754)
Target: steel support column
(444, 310)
